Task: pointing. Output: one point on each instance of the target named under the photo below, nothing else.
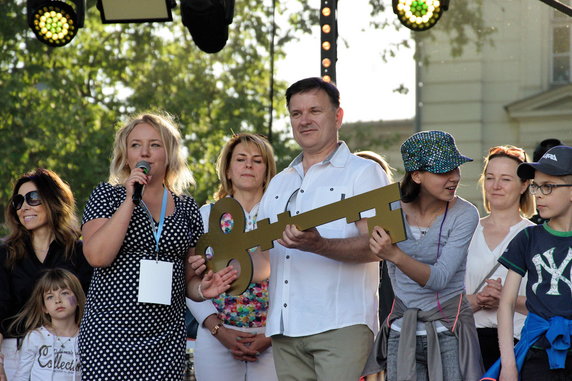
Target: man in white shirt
(323, 285)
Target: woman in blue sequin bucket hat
(428, 151)
(430, 313)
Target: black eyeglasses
(545, 189)
(32, 198)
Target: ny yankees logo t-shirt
(546, 255)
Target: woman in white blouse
(509, 204)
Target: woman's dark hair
(409, 188)
(314, 83)
(544, 146)
(59, 203)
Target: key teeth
(263, 225)
(353, 218)
(284, 215)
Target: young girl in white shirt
(51, 319)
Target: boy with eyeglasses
(545, 253)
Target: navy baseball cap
(557, 161)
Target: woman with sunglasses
(509, 205)
(43, 234)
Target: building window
(561, 46)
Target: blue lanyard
(157, 232)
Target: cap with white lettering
(557, 161)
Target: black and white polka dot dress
(120, 338)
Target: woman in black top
(43, 233)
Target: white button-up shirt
(310, 293)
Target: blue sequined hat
(432, 151)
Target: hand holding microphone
(138, 187)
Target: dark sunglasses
(32, 198)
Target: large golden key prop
(235, 245)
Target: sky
(366, 83)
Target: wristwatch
(215, 329)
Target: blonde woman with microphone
(133, 327)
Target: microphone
(138, 188)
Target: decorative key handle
(235, 244)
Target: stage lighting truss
(329, 36)
(55, 23)
(419, 15)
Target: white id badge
(155, 281)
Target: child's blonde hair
(32, 315)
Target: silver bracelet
(201, 292)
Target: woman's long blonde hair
(32, 315)
(178, 176)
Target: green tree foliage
(59, 107)
(463, 24)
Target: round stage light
(55, 23)
(418, 15)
